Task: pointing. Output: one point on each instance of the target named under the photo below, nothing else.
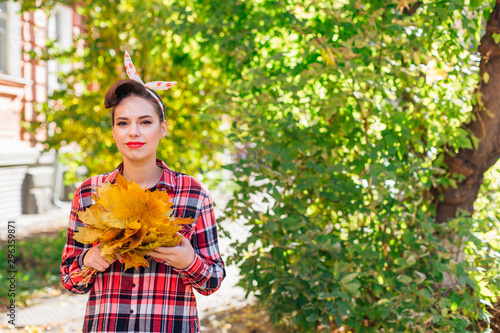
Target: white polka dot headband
(155, 85)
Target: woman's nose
(133, 130)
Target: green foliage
(345, 110)
(36, 265)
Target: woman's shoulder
(83, 194)
(187, 183)
(97, 179)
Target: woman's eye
(146, 122)
(122, 123)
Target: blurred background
(351, 147)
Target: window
(59, 29)
(10, 38)
(3, 37)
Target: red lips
(134, 144)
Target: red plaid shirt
(158, 298)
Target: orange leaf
(131, 221)
(136, 239)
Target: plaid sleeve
(73, 252)
(207, 270)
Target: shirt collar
(167, 180)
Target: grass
(36, 266)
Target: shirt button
(131, 311)
(133, 285)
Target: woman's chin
(137, 157)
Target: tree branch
(303, 27)
(473, 163)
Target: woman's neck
(146, 175)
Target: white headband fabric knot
(155, 85)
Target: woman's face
(137, 129)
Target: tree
(473, 163)
(364, 131)
(353, 117)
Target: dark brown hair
(122, 89)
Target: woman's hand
(179, 257)
(93, 259)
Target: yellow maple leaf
(133, 224)
(102, 194)
(87, 235)
(90, 219)
(148, 247)
(136, 238)
(181, 220)
(110, 234)
(134, 259)
(130, 221)
(170, 240)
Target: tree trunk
(473, 163)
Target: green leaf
(325, 295)
(353, 288)
(313, 317)
(405, 279)
(486, 77)
(496, 38)
(400, 261)
(348, 278)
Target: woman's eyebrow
(141, 117)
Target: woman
(158, 298)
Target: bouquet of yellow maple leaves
(129, 221)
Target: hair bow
(155, 85)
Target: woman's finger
(100, 267)
(185, 241)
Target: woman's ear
(164, 128)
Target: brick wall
(27, 174)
